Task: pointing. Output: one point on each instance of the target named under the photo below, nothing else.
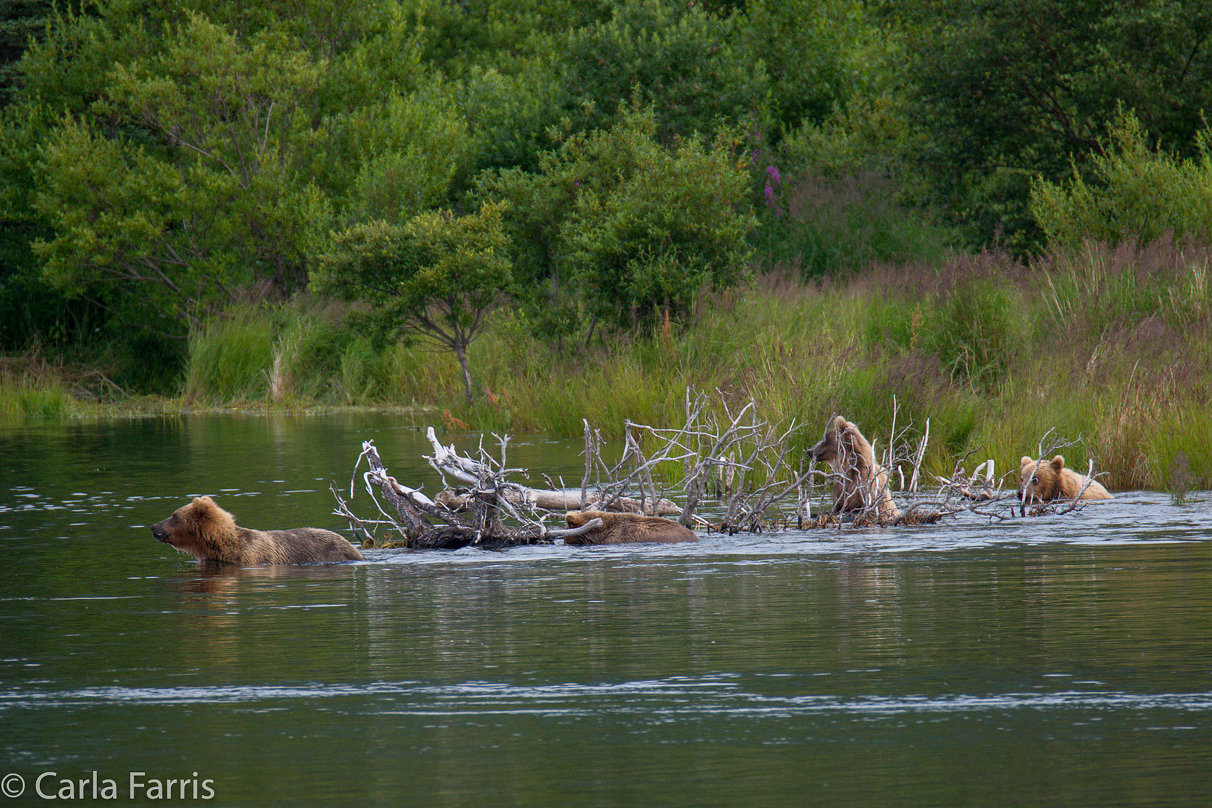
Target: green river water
(1061, 660)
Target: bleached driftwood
(987, 491)
(980, 486)
(744, 459)
(421, 523)
(730, 459)
(556, 500)
(448, 462)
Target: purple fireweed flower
(773, 173)
(770, 200)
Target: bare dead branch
(759, 484)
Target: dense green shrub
(816, 54)
(619, 226)
(1135, 193)
(676, 59)
(408, 153)
(1006, 92)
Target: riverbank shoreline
(1105, 357)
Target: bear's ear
(1025, 461)
(204, 507)
(840, 424)
(1058, 463)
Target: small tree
(436, 276)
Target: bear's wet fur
(861, 484)
(210, 533)
(626, 528)
(1048, 480)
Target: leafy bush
(1135, 193)
(814, 52)
(635, 228)
(409, 151)
(510, 115)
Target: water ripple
(678, 696)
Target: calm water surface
(1051, 661)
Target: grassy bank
(1111, 349)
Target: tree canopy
(1007, 92)
(163, 162)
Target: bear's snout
(821, 453)
(160, 532)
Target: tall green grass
(34, 395)
(1107, 352)
(977, 344)
(230, 359)
(299, 356)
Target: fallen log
(556, 501)
(412, 513)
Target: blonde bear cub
(1046, 480)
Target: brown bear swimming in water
(626, 528)
(861, 484)
(210, 533)
(1047, 480)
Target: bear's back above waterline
(210, 533)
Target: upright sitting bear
(861, 485)
(1045, 481)
(208, 532)
(626, 528)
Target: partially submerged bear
(210, 533)
(860, 484)
(626, 528)
(1044, 481)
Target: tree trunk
(461, 352)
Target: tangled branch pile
(731, 471)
